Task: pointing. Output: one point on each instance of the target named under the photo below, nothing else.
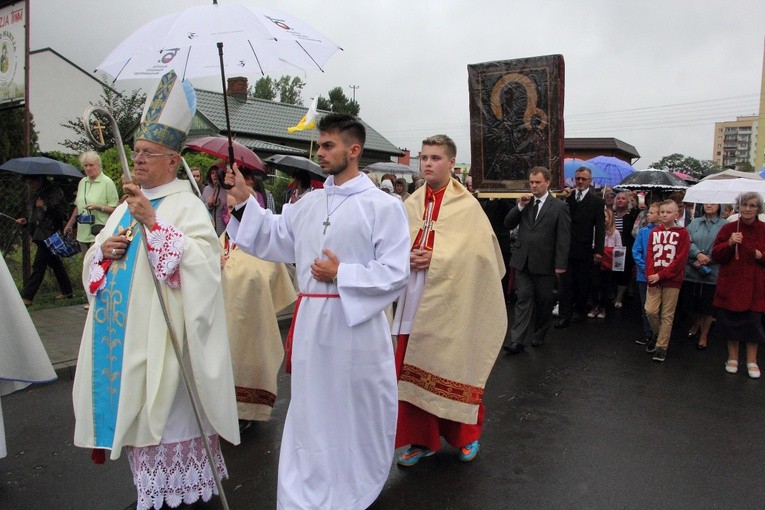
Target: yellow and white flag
(309, 119)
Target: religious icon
(516, 121)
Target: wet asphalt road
(585, 421)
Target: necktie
(579, 195)
(536, 209)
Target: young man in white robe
(350, 244)
(128, 390)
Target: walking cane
(126, 177)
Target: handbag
(62, 245)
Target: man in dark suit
(587, 229)
(540, 253)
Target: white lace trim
(165, 252)
(174, 473)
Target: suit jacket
(542, 245)
(587, 220)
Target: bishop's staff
(126, 178)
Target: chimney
(237, 88)
(404, 160)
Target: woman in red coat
(740, 295)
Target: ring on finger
(114, 251)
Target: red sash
(291, 332)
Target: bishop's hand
(139, 205)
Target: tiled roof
(267, 122)
(260, 145)
(600, 144)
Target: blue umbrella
(571, 165)
(761, 172)
(615, 168)
(38, 165)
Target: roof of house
(92, 75)
(266, 122)
(600, 144)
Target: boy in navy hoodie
(639, 255)
(668, 247)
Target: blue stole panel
(109, 318)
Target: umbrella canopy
(732, 174)
(571, 165)
(722, 191)
(687, 178)
(391, 167)
(205, 40)
(218, 146)
(38, 165)
(652, 179)
(290, 165)
(615, 169)
(262, 41)
(761, 172)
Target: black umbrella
(38, 165)
(292, 164)
(652, 179)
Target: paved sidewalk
(60, 330)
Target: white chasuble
(153, 406)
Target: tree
(264, 89)
(12, 134)
(338, 102)
(126, 109)
(287, 88)
(686, 164)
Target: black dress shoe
(577, 317)
(562, 323)
(514, 348)
(537, 342)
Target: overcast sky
(656, 74)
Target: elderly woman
(701, 273)
(96, 199)
(740, 295)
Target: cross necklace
(326, 222)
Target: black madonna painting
(516, 121)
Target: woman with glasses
(740, 295)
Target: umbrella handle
(89, 111)
(225, 108)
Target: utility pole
(354, 87)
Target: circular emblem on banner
(8, 58)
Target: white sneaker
(592, 313)
(555, 310)
(618, 305)
(601, 314)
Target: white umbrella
(205, 40)
(391, 167)
(722, 191)
(253, 40)
(732, 174)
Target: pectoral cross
(326, 224)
